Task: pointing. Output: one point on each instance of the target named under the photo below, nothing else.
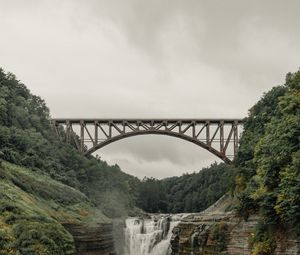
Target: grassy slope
(32, 206)
(27, 139)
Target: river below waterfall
(150, 236)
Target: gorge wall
(216, 231)
(92, 240)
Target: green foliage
(267, 175)
(32, 208)
(254, 127)
(26, 139)
(19, 108)
(268, 162)
(27, 228)
(7, 241)
(33, 204)
(219, 234)
(39, 238)
(151, 196)
(188, 193)
(263, 241)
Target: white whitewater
(150, 236)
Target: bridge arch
(172, 134)
(209, 134)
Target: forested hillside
(34, 209)
(47, 183)
(26, 139)
(187, 193)
(265, 177)
(268, 164)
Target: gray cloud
(159, 58)
(219, 33)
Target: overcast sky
(143, 59)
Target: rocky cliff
(218, 231)
(95, 240)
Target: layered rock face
(194, 235)
(216, 231)
(92, 240)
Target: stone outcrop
(194, 235)
(216, 231)
(92, 240)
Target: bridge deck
(120, 121)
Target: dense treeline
(266, 174)
(187, 193)
(33, 200)
(26, 139)
(268, 163)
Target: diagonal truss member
(219, 136)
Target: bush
(263, 240)
(37, 238)
(220, 235)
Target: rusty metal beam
(153, 126)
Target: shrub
(220, 235)
(263, 240)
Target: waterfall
(150, 236)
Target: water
(150, 236)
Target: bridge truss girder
(219, 136)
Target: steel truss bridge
(219, 136)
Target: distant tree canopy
(187, 193)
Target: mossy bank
(39, 215)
